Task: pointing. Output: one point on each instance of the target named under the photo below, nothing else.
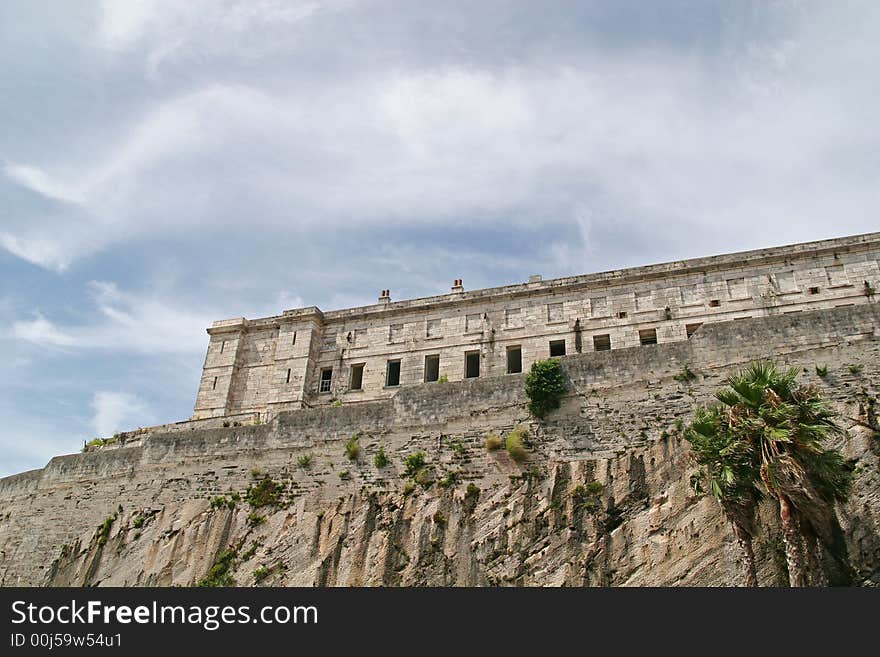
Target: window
(473, 323)
(621, 314)
(599, 307)
(432, 329)
(813, 290)
(293, 342)
(836, 275)
(602, 342)
(288, 376)
(222, 346)
(690, 329)
(714, 303)
(648, 336)
(214, 385)
(356, 382)
(432, 368)
(395, 333)
(644, 300)
(554, 313)
(513, 317)
(472, 364)
(392, 373)
(557, 348)
(514, 360)
(326, 378)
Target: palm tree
(727, 466)
(787, 427)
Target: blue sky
(164, 164)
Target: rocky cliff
(602, 498)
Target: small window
(714, 303)
(648, 336)
(554, 312)
(293, 341)
(514, 360)
(395, 333)
(214, 385)
(432, 329)
(392, 373)
(357, 377)
(813, 290)
(473, 323)
(557, 348)
(472, 364)
(326, 378)
(513, 317)
(432, 368)
(621, 314)
(690, 329)
(223, 346)
(288, 376)
(602, 342)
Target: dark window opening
(602, 342)
(357, 377)
(223, 346)
(432, 368)
(690, 329)
(392, 373)
(714, 303)
(621, 314)
(326, 378)
(293, 342)
(288, 376)
(557, 348)
(514, 360)
(472, 364)
(814, 290)
(214, 385)
(648, 336)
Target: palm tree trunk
(813, 551)
(744, 540)
(792, 538)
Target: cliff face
(602, 499)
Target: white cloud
(118, 411)
(38, 181)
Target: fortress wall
(665, 298)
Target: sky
(164, 164)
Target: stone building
(305, 357)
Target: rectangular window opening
(514, 360)
(357, 377)
(648, 336)
(472, 364)
(602, 342)
(814, 290)
(326, 378)
(293, 342)
(392, 373)
(214, 385)
(288, 375)
(714, 303)
(432, 368)
(690, 329)
(621, 314)
(557, 348)
(223, 346)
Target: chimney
(457, 287)
(535, 278)
(385, 296)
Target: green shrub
(104, 529)
(408, 488)
(439, 519)
(414, 463)
(221, 501)
(265, 492)
(822, 370)
(449, 480)
(855, 370)
(515, 446)
(685, 375)
(459, 449)
(353, 448)
(345, 475)
(380, 460)
(471, 497)
(336, 403)
(220, 574)
(424, 477)
(260, 574)
(443, 379)
(493, 442)
(545, 386)
(255, 519)
(138, 521)
(304, 461)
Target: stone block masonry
(306, 358)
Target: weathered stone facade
(276, 363)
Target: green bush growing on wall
(545, 386)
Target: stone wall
(348, 522)
(274, 364)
